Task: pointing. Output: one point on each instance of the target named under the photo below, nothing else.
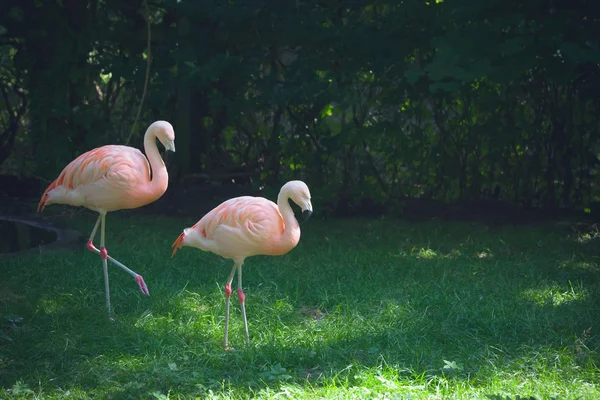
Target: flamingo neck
(291, 234)
(160, 177)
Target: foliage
(378, 100)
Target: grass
(360, 309)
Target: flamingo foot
(142, 285)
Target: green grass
(359, 309)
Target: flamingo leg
(104, 257)
(242, 298)
(227, 303)
(104, 253)
(95, 229)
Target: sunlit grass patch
(590, 265)
(586, 237)
(556, 295)
(426, 254)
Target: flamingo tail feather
(177, 244)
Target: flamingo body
(242, 227)
(246, 226)
(108, 178)
(111, 178)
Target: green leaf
(327, 111)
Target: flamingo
(111, 178)
(245, 226)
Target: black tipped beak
(305, 215)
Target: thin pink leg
(227, 304)
(242, 298)
(105, 257)
(138, 278)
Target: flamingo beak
(305, 216)
(170, 145)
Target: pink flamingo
(111, 178)
(246, 226)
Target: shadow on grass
(357, 301)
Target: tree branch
(137, 117)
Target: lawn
(361, 308)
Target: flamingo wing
(242, 225)
(114, 168)
(255, 216)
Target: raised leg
(227, 303)
(242, 299)
(95, 229)
(104, 253)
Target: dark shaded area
(28, 233)
(373, 104)
(18, 236)
(12, 186)
(195, 196)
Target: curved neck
(291, 235)
(160, 177)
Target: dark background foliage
(373, 103)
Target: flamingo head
(164, 133)
(299, 193)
